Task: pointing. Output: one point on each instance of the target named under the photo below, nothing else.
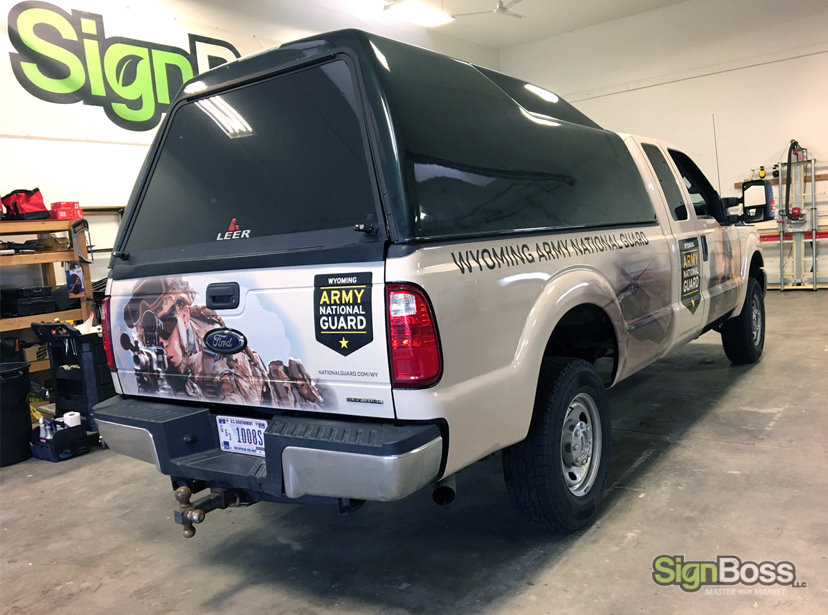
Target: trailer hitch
(190, 513)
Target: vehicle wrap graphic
(342, 311)
(725, 261)
(165, 332)
(261, 353)
(643, 295)
(496, 256)
(690, 273)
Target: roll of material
(71, 419)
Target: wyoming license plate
(239, 435)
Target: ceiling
(543, 18)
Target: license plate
(239, 435)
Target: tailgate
(306, 338)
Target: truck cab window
(668, 183)
(705, 199)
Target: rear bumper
(303, 456)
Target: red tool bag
(25, 205)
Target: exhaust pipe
(445, 491)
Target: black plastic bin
(15, 419)
(79, 372)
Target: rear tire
(743, 337)
(556, 476)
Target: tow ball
(190, 513)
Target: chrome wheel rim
(581, 444)
(755, 320)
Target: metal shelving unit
(46, 261)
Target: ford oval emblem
(225, 341)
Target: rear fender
(568, 289)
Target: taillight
(413, 343)
(107, 335)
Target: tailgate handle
(223, 296)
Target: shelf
(46, 260)
(39, 366)
(11, 227)
(807, 236)
(39, 258)
(774, 181)
(25, 322)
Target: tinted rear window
(476, 162)
(281, 156)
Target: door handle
(223, 296)
(704, 248)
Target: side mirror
(732, 208)
(757, 197)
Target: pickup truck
(351, 268)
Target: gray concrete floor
(708, 459)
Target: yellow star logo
(343, 343)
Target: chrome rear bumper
(309, 471)
(303, 456)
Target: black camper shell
(440, 150)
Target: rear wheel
(743, 337)
(556, 476)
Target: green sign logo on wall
(65, 58)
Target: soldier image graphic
(170, 356)
(725, 258)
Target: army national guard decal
(342, 306)
(690, 274)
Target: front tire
(556, 476)
(743, 337)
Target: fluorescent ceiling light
(545, 94)
(538, 118)
(418, 12)
(225, 116)
(194, 87)
(380, 56)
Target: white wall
(759, 66)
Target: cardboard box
(35, 353)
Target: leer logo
(65, 58)
(726, 570)
(233, 232)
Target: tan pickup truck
(351, 268)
